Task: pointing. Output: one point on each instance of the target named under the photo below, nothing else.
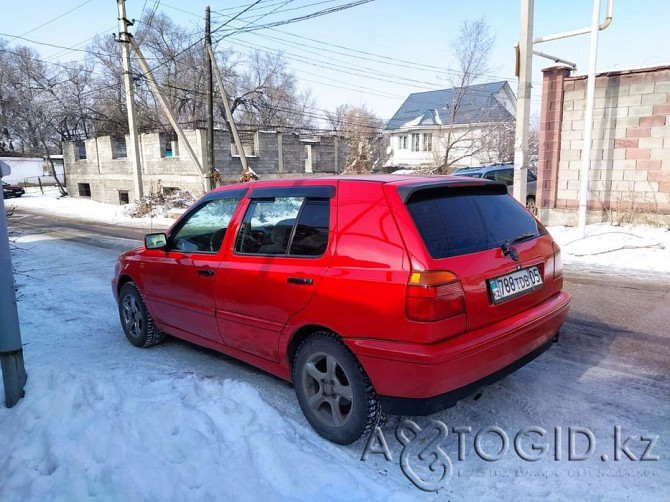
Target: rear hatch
(502, 257)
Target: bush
(157, 204)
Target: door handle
(300, 280)
(205, 272)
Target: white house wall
(26, 170)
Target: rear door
(501, 254)
(281, 252)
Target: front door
(180, 281)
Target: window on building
(119, 148)
(169, 145)
(402, 142)
(124, 197)
(80, 150)
(416, 139)
(170, 190)
(428, 142)
(84, 189)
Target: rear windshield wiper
(522, 237)
(507, 250)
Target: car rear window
(456, 221)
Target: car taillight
(558, 262)
(434, 295)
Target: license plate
(515, 284)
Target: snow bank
(638, 248)
(105, 420)
(113, 436)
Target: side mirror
(155, 241)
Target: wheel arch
(123, 280)
(300, 335)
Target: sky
(373, 54)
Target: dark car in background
(505, 174)
(11, 190)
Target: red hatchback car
(371, 293)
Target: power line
(55, 18)
(320, 13)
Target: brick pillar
(551, 118)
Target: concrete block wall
(278, 155)
(630, 156)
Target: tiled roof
(478, 104)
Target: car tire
(333, 390)
(136, 321)
(530, 205)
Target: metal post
(11, 351)
(588, 120)
(125, 38)
(210, 98)
(523, 101)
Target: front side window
(504, 175)
(285, 226)
(402, 142)
(203, 230)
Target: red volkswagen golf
(370, 293)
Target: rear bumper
(419, 379)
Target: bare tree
(268, 96)
(472, 48)
(43, 104)
(498, 142)
(363, 129)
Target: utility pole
(125, 38)
(525, 59)
(588, 120)
(210, 98)
(11, 350)
(206, 178)
(246, 170)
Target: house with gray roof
(438, 131)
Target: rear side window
(285, 226)
(455, 221)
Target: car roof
(480, 169)
(405, 184)
(395, 179)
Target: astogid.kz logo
(425, 463)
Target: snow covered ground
(103, 420)
(85, 209)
